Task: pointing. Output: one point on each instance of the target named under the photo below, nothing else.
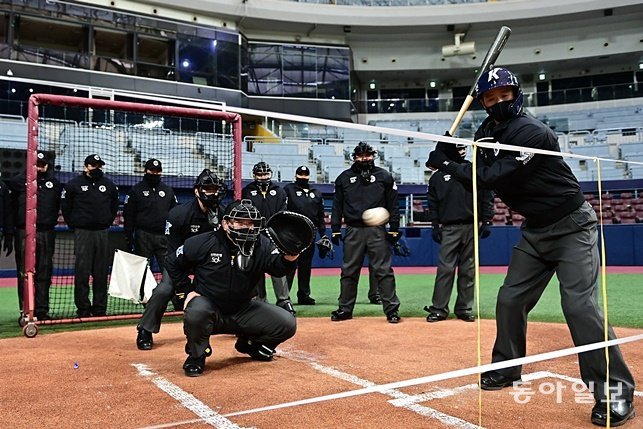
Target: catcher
(227, 263)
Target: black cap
(42, 157)
(153, 165)
(94, 159)
(303, 171)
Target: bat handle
(463, 110)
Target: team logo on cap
(41, 155)
(155, 163)
(97, 158)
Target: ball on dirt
(376, 216)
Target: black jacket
(49, 193)
(89, 203)
(540, 187)
(451, 201)
(354, 195)
(216, 275)
(185, 221)
(273, 201)
(5, 223)
(146, 207)
(308, 202)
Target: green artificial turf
(624, 304)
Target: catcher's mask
(243, 223)
(262, 174)
(364, 159)
(210, 190)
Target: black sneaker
(255, 350)
(286, 305)
(144, 340)
(193, 367)
(339, 315)
(393, 317)
(306, 300)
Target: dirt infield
(99, 379)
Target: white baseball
(376, 216)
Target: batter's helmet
(498, 77)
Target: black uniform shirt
(216, 275)
(308, 202)
(451, 200)
(48, 206)
(354, 195)
(185, 221)
(89, 203)
(146, 207)
(273, 201)
(540, 187)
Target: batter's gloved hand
(393, 237)
(8, 244)
(485, 229)
(436, 233)
(449, 149)
(337, 237)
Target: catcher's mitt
(290, 232)
(325, 248)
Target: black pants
(92, 258)
(456, 250)
(157, 304)
(258, 321)
(569, 249)
(151, 246)
(371, 241)
(45, 244)
(304, 267)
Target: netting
(125, 135)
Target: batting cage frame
(231, 122)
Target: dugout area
(97, 378)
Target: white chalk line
(447, 375)
(192, 403)
(406, 401)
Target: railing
(388, 2)
(531, 99)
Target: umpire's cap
(153, 165)
(43, 158)
(302, 171)
(94, 159)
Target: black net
(125, 140)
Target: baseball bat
(489, 61)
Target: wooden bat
(489, 61)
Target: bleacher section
(13, 132)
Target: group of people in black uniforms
(227, 255)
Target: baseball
(376, 216)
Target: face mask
(263, 184)
(95, 174)
(365, 166)
(152, 179)
(302, 182)
(499, 112)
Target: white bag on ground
(128, 274)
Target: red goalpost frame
(37, 100)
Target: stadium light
(542, 76)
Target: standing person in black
(362, 187)
(559, 236)
(145, 211)
(269, 199)
(89, 206)
(451, 213)
(227, 264)
(308, 201)
(6, 231)
(49, 192)
(199, 216)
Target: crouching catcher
(227, 264)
